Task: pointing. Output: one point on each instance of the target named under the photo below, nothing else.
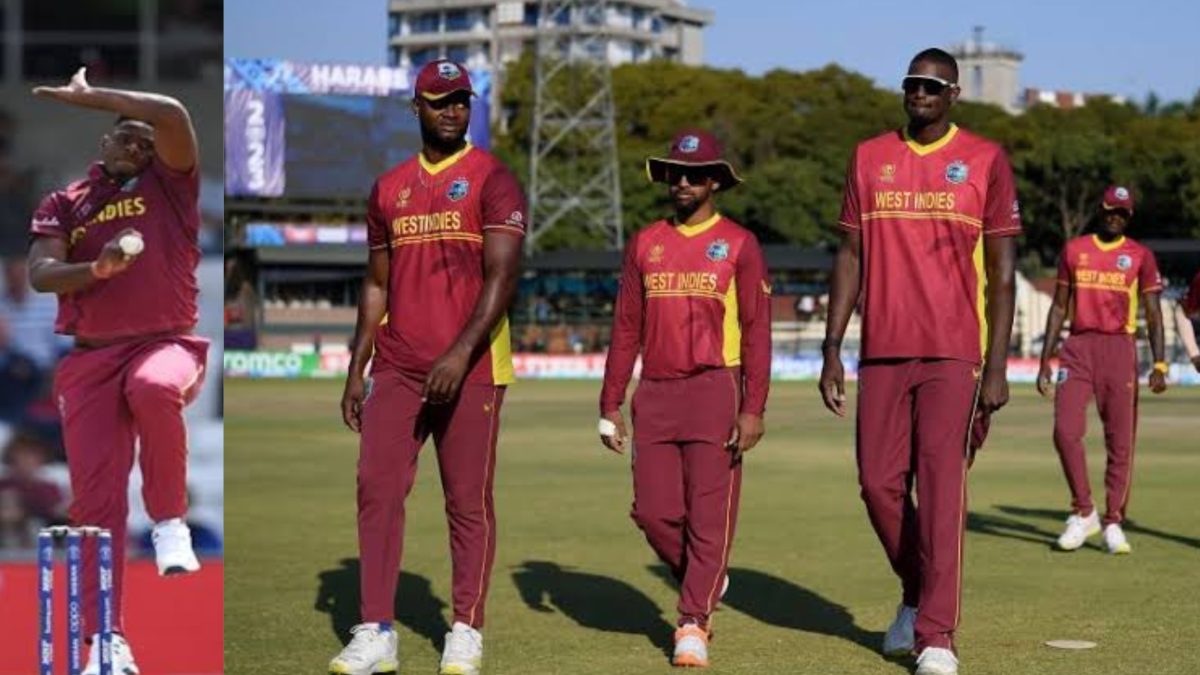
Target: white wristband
(606, 427)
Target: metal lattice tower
(574, 176)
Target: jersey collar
(1110, 246)
(923, 149)
(434, 169)
(698, 228)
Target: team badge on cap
(458, 189)
(1124, 262)
(449, 71)
(718, 250)
(1121, 193)
(689, 144)
(956, 172)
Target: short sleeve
(1001, 210)
(184, 183)
(377, 231)
(1149, 280)
(851, 216)
(1064, 269)
(47, 220)
(503, 203)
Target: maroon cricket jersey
(1106, 280)
(157, 293)
(432, 218)
(923, 211)
(692, 298)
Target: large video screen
(337, 145)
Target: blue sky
(1111, 46)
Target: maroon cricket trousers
(395, 424)
(1105, 366)
(914, 427)
(686, 481)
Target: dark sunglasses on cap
(934, 86)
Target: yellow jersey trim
(981, 297)
(698, 228)
(685, 294)
(1110, 246)
(501, 351)
(927, 148)
(449, 236)
(924, 215)
(731, 335)
(1131, 320)
(434, 169)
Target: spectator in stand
(20, 378)
(40, 499)
(30, 316)
(16, 191)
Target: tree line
(790, 134)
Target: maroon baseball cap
(441, 78)
(1118, 197)
(694, 147)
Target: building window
(394, 24)
(656, 25)
(639, 52)
(426, 23)
(639, 15)
(420, 57)
(457, 53)
(531, 14)
(563, 18)
(395, 56)
(458, 20)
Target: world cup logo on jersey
(956, 172)
(1124, 262)
(458, 189)
(689, 144)
(718, 250)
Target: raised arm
(175, 139)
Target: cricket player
(120, 250)
(694, 301)
(445, 230)
(929, 221)
(1101, 276)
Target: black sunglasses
(696, 175)
(934, 86)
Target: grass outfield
(575, 587)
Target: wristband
(828, 344)
(606, 427)
(1162, 367)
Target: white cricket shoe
(937, 661)
(463, 654)
(122, 657)
(1114, 539)
(371, 650)
(173, 548)
(899, 640)
(1079, 528)
(691, 647)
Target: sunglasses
(696, 175)
(934, 86)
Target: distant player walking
(1100, 278)
(120, 249)
(445, 231)
(929, 219)
(695, 302)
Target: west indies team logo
(458, 189)
(887, 173)
(449, 71)
(718, 250)
(402, 198)
(957, 172)
(689, 144)
(656, 253)
(1124, 262)
(1121, 193)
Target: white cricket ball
(131, 244)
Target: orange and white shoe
(691, 647)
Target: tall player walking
(1101, 276)
(445, 231)
(695, 302)
(929, 219)
(120, 250)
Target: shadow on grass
(416, 606)
(593, 601)
(1130, 526)
(779, 602)
(1011, 528)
